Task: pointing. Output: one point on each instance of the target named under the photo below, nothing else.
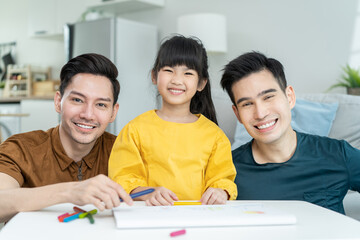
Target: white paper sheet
(199, 216)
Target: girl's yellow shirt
(186, 158)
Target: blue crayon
(72, 217)
(138, 194)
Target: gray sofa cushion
(346, 124)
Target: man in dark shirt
(280, 163)
(39, 169)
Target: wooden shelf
(14, 114)
(23, 81)
(18, 92)
(125, 6)
(23, 85)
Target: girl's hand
(160, 197)
(214, 196)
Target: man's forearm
(17, 200)
(100, 191)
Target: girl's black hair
(179, 50)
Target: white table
(313, 222)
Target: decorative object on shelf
(20, 79)
(126, 6)
(6, 53)
(210, 28)
(350, 79)
(93, 14)
(2, 86)
(45, 88)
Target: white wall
(312, 38)
(35, 51)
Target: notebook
(199, 216)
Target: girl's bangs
(180, 55)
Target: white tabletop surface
(313, 222)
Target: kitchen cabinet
(42, 114)
(41, 20)
(10, 119)
(18, 115)
(47, 17)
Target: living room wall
(312, 38)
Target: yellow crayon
(186, 203)
(94, 211)
(86, 214)
(82, 215)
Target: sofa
(331, 114)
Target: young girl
(178, 150)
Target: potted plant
(350, 79)
(2, 86)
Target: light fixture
(210, 28)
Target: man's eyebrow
(105, 99)
(266, 92)
(242, 99)
(77, 93)
(83, 96)
(259, 95)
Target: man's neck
(276, 152)
(78, 151)
(74, 150)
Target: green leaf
(350, 78)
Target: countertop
(19, 99)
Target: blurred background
(313, 39)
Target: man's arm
(99, 191)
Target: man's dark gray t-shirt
(321, 171)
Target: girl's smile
(176, 91)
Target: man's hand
(214, 196)
(100, 191)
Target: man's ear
(290, 94)
(57, 102)
(202, 85)
(115, 111)
(236, 113)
